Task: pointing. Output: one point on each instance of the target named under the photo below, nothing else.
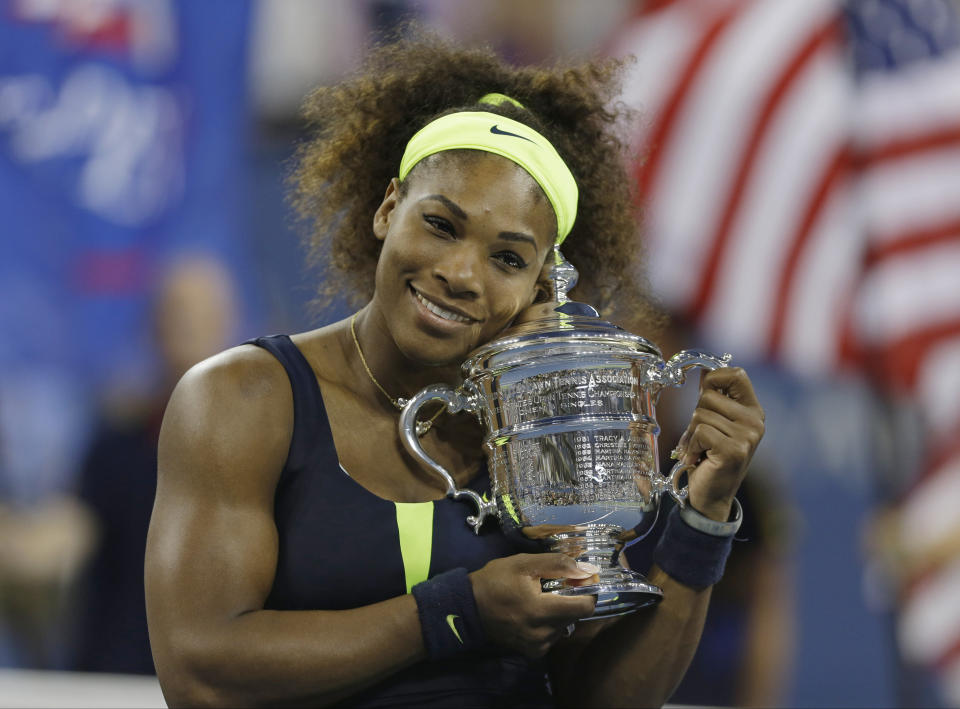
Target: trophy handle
(456, 401)
(674, 373)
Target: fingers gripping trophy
(568, 403)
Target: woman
(296, 553)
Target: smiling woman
(362, 127)
(297, 554)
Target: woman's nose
(459, 267)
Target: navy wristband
(690, 556)
(449, 619)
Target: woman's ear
(381, 218)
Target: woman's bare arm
(212, 554)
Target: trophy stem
(618, 590)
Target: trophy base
(619, 591)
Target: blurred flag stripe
(748, 276)
(910, 294)
(930, 626)
(903, 243)
(804, 134)
(911, 193)
(822, 37)
(915, 99)
(821, 300)
(943, 459)
(836, 171)
(948, 136)
(905, 357)
(661, 133)
(651, 6)
(938, 382)
(930, 511)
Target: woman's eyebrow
(460, 214)
(449, 204)
(518, 236)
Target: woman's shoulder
(252, 372)
(230, 412)
(250, 387)
(242, 374)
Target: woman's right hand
(516, 614)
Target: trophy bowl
(568, 404)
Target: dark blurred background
(798, 163)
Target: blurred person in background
(276, 558)
(43, 548)
(194, 316)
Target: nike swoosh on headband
(497, 131)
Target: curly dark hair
(361, 127)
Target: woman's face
(462, 252)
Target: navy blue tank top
(341, 547)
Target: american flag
(800, 184)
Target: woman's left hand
(720, 440)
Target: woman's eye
(509, 258)
(439, 223)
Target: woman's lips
(440, 311)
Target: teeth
(437, 310)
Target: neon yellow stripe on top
(415, 524)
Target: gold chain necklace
(399, 402)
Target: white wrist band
(709, 526)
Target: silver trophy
(568, 402)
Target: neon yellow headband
(479, 130)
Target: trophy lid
(557, 327)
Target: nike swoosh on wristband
(497, 131)
(453, 627)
